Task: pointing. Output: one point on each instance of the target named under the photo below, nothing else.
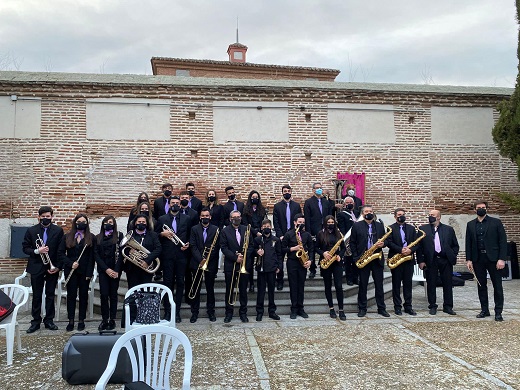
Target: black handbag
(6, 305)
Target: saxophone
(399, 258)
(324, 263)
(369, 254)
(302, 255)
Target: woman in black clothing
(76, 252)
(143, 208)
(108, 260)
(215, 209)
(325, 241)
(142, 197)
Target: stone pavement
(400, 352)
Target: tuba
(399, 258)
(235, 279)
(197, 279)
(135, 253)
(369, 255)
(324, 263)
(302, 255)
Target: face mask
(287, 196)
(204, 221)
(319, 191)
(481, 212)
(175, 208)
(432, 219)
(231, 197)
(46, 221)
(141, 200)
(351, 192)
(401, 219)
(212, 198)
(236, 221)
(184, 202)
(140, 226)
(369, 217)
(266, 231)
(108, 227)
(191, 192)
(330, 227)
(301, 227)
(144, 211)
(167, 193)
(350, 206)
(81, 225)
(255, 200)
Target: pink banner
(358, 179)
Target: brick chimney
(237, 52)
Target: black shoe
(433, 311)
(259, 317)
(103, 325)
(279, 286)
(167, 315)
(398, 312)
(312, 275)
(293, 315)
(332, 313)
(177, 318)
(70, 327)
(252, 289)
(483, 314)
(274, 316)
(410, 311)
(383, 312)
(227, 319)
(342, 315)
(362, 313)
(51, 325)
(302, 314)
(498, 317)
(81, 326)
(33, 328)
(449, 311)
(212, 317)
(350, 283)
(194, 318)
(111, 325)
(244, 318)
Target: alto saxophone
(302, 255)
(324, 264)
(399, 258)
(369, 255)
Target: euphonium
(135, 252)
(399, 258)
(197, 279)
(324, 263)
(369, 254)
(235, 278)
(45, 256)
(302, 255)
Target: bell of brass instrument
(324, 263)
(399, 258)
(369, 255)
(45, 256)
(135, 252)
(302, 254)
(235, 278)
(175, 239)
(197, 279)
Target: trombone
(45, 256)
(197, 279)
(175, 238)
(235, 278)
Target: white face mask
(351, 192)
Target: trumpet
(197, 279)
(45, 256)
(235, 279)
(175, 238)
(135, 253)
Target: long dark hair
(115, 234)
(70, 239)
(336, 234)
(135, 209)
(260, 209)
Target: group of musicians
(187, 235)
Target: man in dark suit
(351, 191)
(438, 252)
(202, 237)
(49, 237)
(346, 219)
(486, 249)
(232, 204)
(398, 243)
(366, 234)
(173, 256)
(194, 220)
(193, 202)
(161, 205)
(232, 241)
(283, 214)
(315, 209)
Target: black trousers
(296, 274)
(265, 279)
(38, 283)
(443, 267)
(312, 258)
(174, 272)
(481, 267)
(77, 282)
(402, 274)
(280, 274)
(377, 275)
(136, 276)
(242, 293)
(351, 271)
(209, 282)
(108, 295)
(334, 271)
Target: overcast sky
(456, 42)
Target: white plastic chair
(18, 280)
(418, 276)
(19, 295)
(151, 358)
(62, 293)
(153, 287)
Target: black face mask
(401, 219)
(141, 200)
(330, 227)
(432, 220)
(232, 197)
(481, 212)
(350, 206)
(175, 208)
(301, 227)
(191, 193)
(369, 217)
(255, 200)
(184, 202)
(212, 198)
(167, 193)
(266, 231)
(140, 226)
(287, 196)
(236, 221)
(81, 225)
(46, 221)
(204, 221)
(108, 227)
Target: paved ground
(430, 352)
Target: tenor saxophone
(399, 258)
(369, 255)
(324, 264)
(302, 254)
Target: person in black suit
(296, 272)
(283, 214)
(146, 209)
(486, 249)
(315, 209)
(402, 235)
(42, 275)
(346, 219)
(202, 237)
(232, 241)
(232, 204)
(215, 209)
(142, 197)
(77, 253)
(193, 202)
(173, 256)
(269, 258)
(332, 203)
(351, 191)
(161, 205)
(438, 253)
(194, 220)
(366, 234)
(109, 263)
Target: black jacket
(151, 242)
(359, 239)
(158, 206)
(449, 244)
(105, 254)
(345, 221)
(273, 255)
(192, 214)
(35, 264)
(70, 255)
(229, 207)
(495, 239)
(183, 232)
(255, 220)
(280, 216)
(313, 218)
(395, 243)
(325, 242)
(217, 215)
(230, 247)
(289, 240)
(197, 246)
(196, 204)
